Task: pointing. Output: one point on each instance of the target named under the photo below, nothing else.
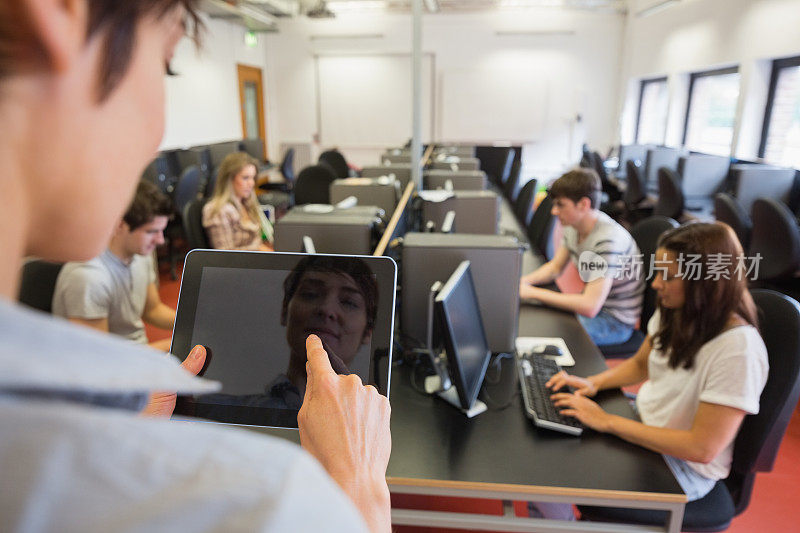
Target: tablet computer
(253, 312)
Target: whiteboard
(366, 100)
(492, 104)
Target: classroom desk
(501, 455)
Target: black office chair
(511, 189)
(187, 188)
(523, 208)
(610, 188)
(336, 162)
(196, 236)
(38, 283)
(540, 229)
(670, 195)
(637, 205)
(727, 209)
(646, 234)
(776, 237)
(313, 185)
(756, 444)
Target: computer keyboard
(534, 372)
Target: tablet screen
(253, 313)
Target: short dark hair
(352, 266)
(117, 19)
(576, 184)
(147, 203)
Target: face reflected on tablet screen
(333, 299)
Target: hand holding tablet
(345, 425)
(253, 313)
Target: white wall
(695, 35)
(203, 100)
(579, 72)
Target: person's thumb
(195, 360)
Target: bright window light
(653, 107)
(782, 143)
(712, 112)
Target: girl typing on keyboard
(703, 363)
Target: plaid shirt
(227, 230)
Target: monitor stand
(451, 396)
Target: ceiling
(262, 15)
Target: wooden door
(251, 104)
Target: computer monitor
(459, 320)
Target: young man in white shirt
(116, 291)
(611, 301)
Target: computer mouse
(549, 349)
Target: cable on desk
(496, 366)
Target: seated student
(610, 303)
(80, 80)
(232, 216)
(703, 362)
(116, 291)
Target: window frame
(694, 76)
(777, 66)
(642, 84)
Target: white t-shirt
(730, 369)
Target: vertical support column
(416, 97)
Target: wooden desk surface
(501, 450)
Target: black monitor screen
(459, 319)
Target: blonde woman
(232, 217)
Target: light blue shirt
(75, 457)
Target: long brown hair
(709, 303)
(223, 187)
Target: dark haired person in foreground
(116, 291)
(611, 301)
(81, 80)
(703, 363)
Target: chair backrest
(313, 185)
(776, 237)
(254, 147)
(634, 192)
(336, 161)
(613, 192)
(670, 196)
(523, 208)
(646, 234)
(511, 188)
(287, 167)
(187, 188)
(38, 284)
(728, 210)
(760, 435)
(540, 229)
(193, 224)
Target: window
(651, 126)
(780, 138)
(711, 113)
